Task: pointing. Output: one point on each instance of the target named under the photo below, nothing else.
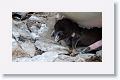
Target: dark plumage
(74, 35)
(21, 17)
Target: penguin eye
(60, 33)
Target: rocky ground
(31, 40)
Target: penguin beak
(57, 38)
(57, 35)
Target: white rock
(43, 30)
(24, 31)
(39, 19)
(17, 51)
(99, 53)
(34, 29)
(28, 48)
(16, 34)
(49, 56)
(65, 58)
(14, 43)
(20, 29)
(46, 57)
(23, 59)
(34, 18)
(48, 45)
(34, 35)
(34, 32)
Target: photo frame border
(104, 67)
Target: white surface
(82, 77)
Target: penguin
(75, 35)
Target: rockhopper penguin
(74, 35)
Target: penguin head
(58, 35)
